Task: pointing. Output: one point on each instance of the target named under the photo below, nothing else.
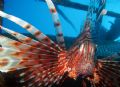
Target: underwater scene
(59, 43)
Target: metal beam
(79, 6)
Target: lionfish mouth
(83, 60)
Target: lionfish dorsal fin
(57, 24)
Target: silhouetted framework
(79, 6)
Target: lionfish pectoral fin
(49, 71)
(106, 73)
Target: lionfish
(41, 62)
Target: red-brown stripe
(27, 26)
(60, 34)
(16, 44)
(1, 49)
(46, 39)
(17, 54)
(3, 62)
(37, 33)
(27, 40)
(57, 24)
(15, 33)
(53, 10)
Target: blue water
(37, 13)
